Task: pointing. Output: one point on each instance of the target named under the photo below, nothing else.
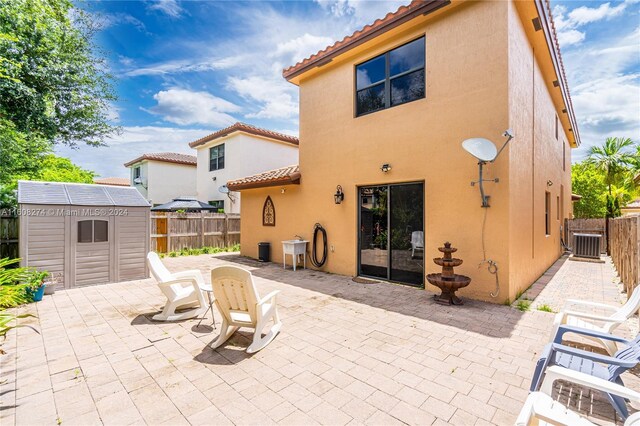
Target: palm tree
(612, 158)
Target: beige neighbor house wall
(469, 74)
(165, 181)
(245, 154)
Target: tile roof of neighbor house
(78, 194)
(167, 157)
(635, 204)
(247, 128)
(423, 7)
(112, 181)
(282, 176)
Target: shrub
(13, 284)
(523, 305)
(173, 254)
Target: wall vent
(587, 245)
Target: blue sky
(186, 68)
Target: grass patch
(545, 308)
(203, 250)
(523, 305)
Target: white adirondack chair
(541, 409)
(603, 323)
(417, 242)
(240, 306)
(182, 289)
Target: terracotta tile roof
(167, 157)
(282, 176)
(247, 128)
(112, 181)
(392, 20)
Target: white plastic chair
(602, 323)
(182, 289)
(240, 306)
(541, 409)
(417, 242)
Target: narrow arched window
(268, 213)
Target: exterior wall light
(385, 167)
(339, 195)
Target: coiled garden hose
(314, 256)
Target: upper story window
(136, 172)
(216, 157)
(393, 78)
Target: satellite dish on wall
(481, 148)
(223, 189)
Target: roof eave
(429, 6)
(291, 179)
(555, 58)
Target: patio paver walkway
(348, 353)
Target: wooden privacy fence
(625, 249)
(586, 226)
(175, 231)
(9, 237)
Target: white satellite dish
(481, 148)
(223, 189)
(485, 151)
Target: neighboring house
(236, 151)
(631, 208)
(383, 114)
(115, 181)
(160, 177)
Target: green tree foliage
(51, 82)
(589, 182)
(60, 169)
(606, 179)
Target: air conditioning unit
(587, 245)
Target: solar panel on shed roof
(77, 194)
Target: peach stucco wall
(467, 95)
(536, 158)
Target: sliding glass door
(391, 238)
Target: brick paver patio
(348, 353)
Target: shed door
(93, 258)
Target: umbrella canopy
(189, 204)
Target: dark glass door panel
(406, 209)
(374, 258)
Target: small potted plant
(36, 285)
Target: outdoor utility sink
(294, 248)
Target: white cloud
(569, 37)
(275, 99)
(605, 88)
(106, 20)
(170, 8)
(134, 141)
(361, 11)
(182, 66)
(567, 21)
(301, 47)
(184, 107)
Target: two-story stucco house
(234, 152)
(162, 176)
(383, 113)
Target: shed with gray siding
(84, 234)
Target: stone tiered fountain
(447, 281)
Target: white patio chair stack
(240, 306)
(602, 323)
(183, 290)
